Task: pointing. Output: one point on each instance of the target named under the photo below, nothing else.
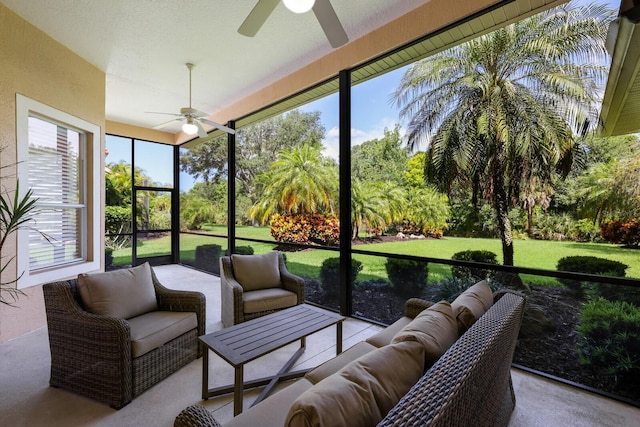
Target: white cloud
(331, 142)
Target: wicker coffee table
(244, 342)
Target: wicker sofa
(113, 359)
(470, 384)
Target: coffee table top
(241, 343)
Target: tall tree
(500, 111)
(381, 159)
(257, 146)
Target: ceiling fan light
(299, 6)
(189, 128)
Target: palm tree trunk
(501, 206)
(504, 225)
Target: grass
(538, 254)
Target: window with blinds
(56, 177)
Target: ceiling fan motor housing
(189, 112)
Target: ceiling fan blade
(201, 132)
(330, 23)
(219, 126)
(257, 17)
(168, 114)
(161, 125)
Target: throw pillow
(435, 328)
(122, 293)
(471, 305)
(363, 392)
(255, 272)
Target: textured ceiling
(143, 45)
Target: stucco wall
(36, 66)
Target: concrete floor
(27, 400)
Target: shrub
(243, 250)
(208, 258)
(586, 231)
(315, 228)
(626, 233)
(609, 338)
(330, 274)
(589, 265)
(108, 257)
(470, 274)
(408, 277)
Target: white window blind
(55, 177)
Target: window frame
(92, 160)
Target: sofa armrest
(414, 306)
(184, 301)
(85, 345)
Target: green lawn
(528, 253)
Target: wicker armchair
(240, 304)
(91, 354)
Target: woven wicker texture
(471, 383)
(91, 354)
(232, 310)
(195, 416)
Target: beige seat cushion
(268, 299)
(434, 328)
(362, 392)
(471, 305)
(121, 293)
(255, 272)
(333, 365)
(385, 336)
(151, 330)
(273, 410)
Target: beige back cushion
(121, 293)
(435, 328)
(255, 272)
(471, 305)
(362, 392)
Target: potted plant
(15, 212)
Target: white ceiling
(143, 45)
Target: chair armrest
(81, 341)
(231, 291)
(183, 301)
(414, 306)
(290, 281)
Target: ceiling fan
(323, 10)
(192, 117)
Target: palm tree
(375, 204)
(300, 181)
(501, 110)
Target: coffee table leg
(238, 393)
(205, 374)
(338, 338)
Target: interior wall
(38, 67)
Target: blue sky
(372, 112)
